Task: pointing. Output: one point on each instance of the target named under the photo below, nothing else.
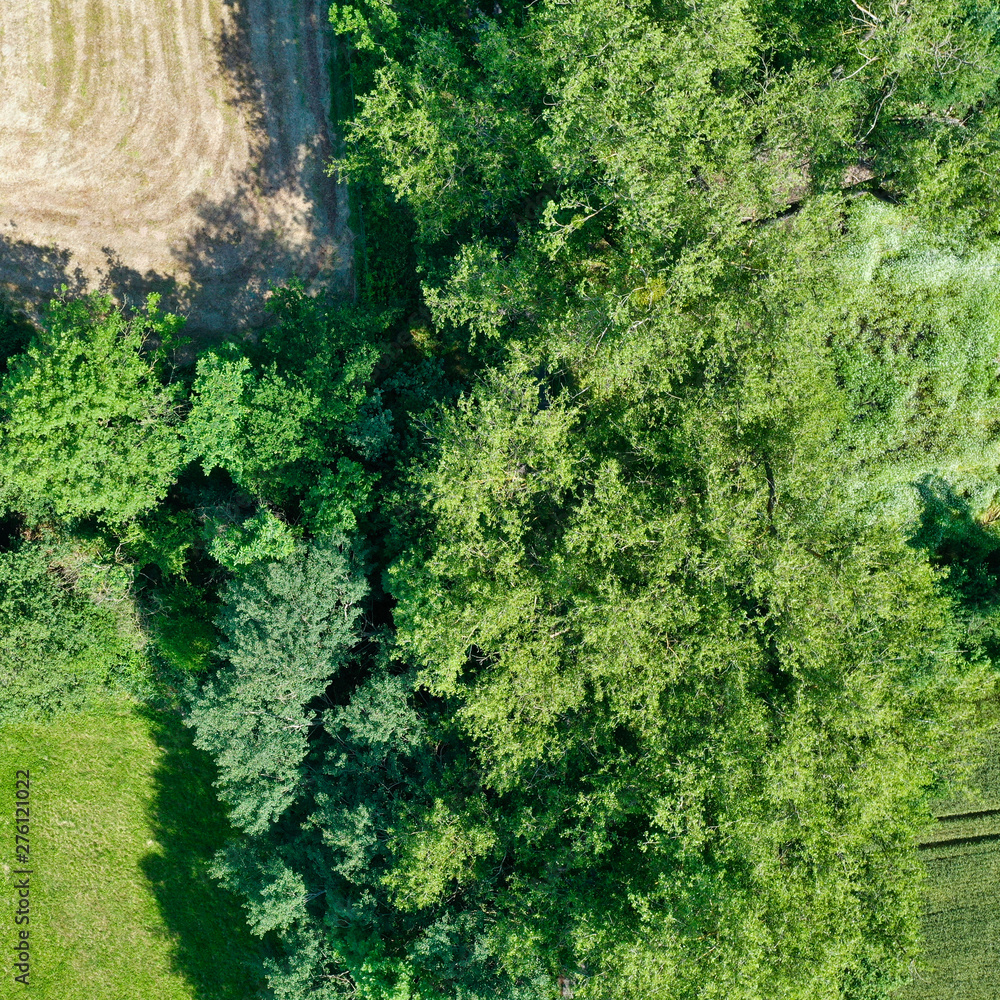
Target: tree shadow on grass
(957, 538)
(213, 947)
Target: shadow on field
(279, 220)
(212, 946)
(43, 271)
(130, 287)
(238, 249)
(43, 268)
(257, 58)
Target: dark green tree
(289, 627)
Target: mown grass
(124, 823)
(962, 894)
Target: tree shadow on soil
(43, 268)
(213, 947)
(281, 219)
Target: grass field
(171, 147)
(123, 824)
(962, 915)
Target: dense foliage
(596, 604)
(91, 428)
(66, 630)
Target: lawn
(124, 823)
(962, 910)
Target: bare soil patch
(176, 146)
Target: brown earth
(168, 145)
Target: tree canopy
(89, 417)
(595, 607)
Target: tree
(667, 585)
(288, 627)
(67, 631)
(90, 418)
(295, 425)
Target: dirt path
(168, 145)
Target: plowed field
(168, 145)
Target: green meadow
(961, 920)
(123, 826)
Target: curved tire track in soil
(168, 145)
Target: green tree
(90, 417)
(295, 424)
(68, 631)
(289, 626)
(600, 145)
(666, 583)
